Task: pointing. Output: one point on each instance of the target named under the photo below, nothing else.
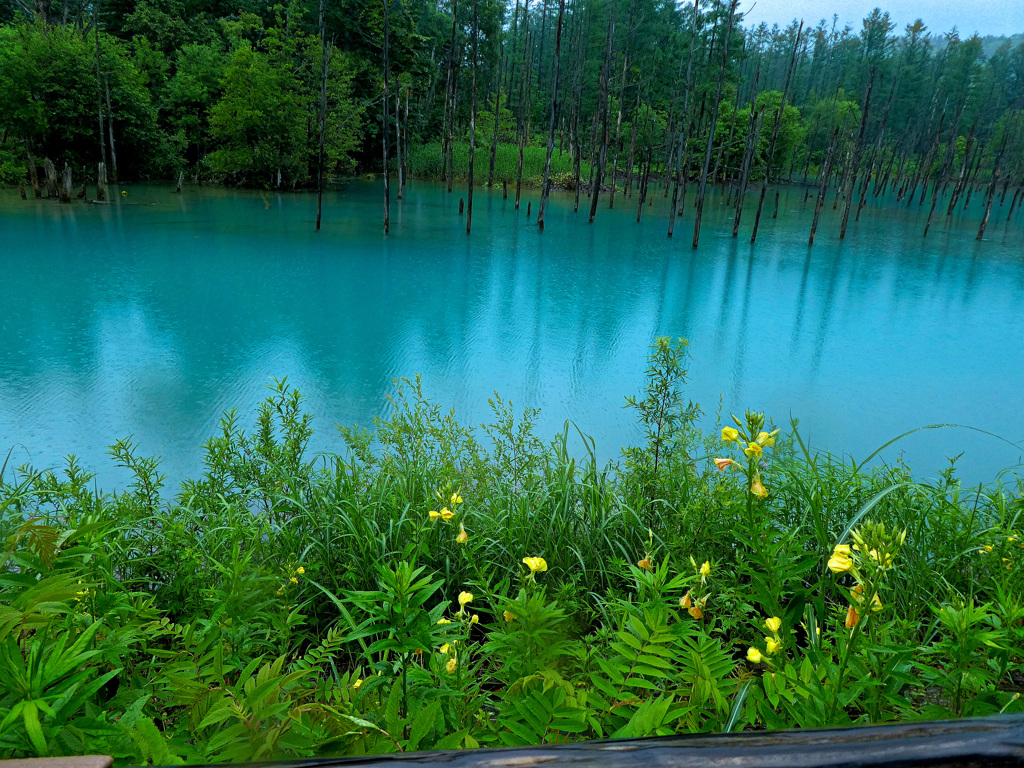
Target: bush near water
(437, 586)
(427, 162)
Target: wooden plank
(993, 741)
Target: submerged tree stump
(64, 195)
(981, 742)
(101, 182)
(51, 178)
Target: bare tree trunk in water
(775, 135)
(497, 119)
(826, 170)
(386, 123)
(110, 130)
(554, 109)
(472, 122)
(398, 140)
(711, 125)
(682, 155)
(603, 105)
(99, 94)
(325, 58)
(855, 166)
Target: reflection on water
(153, 315)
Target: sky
(986, 17)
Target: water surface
(151, 316)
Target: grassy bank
(441, 586)
(425, 161)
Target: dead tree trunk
(472, 121)
(64, 195)
(497, 120)
(33, 174)
(603, 105)
(51, 179)
(855, 163)
(386, 122)
(545, 185)
(775, 135)
(101, 182)
(325, 56)
(826, 170)
(683, 135)
(110, 130)
(524, 103)
(711, 125)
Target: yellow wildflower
(729, 434)
(433, 514)
(685, 601)
(446, 514)
(293, 580)
(536, 564)
(753, 655)
(645, 564)
(475, 619)
(772, 645)
(841, 561)
(766, 439)
(300, 570)
(451, 666)
(444, 621)
(456, 498)
(723, 463)
(773, 624)
(280, 591)
(465, 598)
(463, 537)
(446, 648)
(757, 488)
(357, 683)
(753, 449)
(508, 616)
(705, 569)
(696, 611)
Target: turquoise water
(151, 316)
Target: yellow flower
(300, 570)
(986, 548)
(293, 580)
(444, 621)
(729, 434)
(753, 449)
(464, 598)
(758, 489)
(723, 463)
(463, 537)
(280, 591)
(685, 601)
(773, 624)
(446, 648)
(357, 683)
(446, 514)
(456, 498)
(705, 570)
(753, 655)
(840, 562)
(536, 564)
(772, 644)
(508, 616)
(696, 611)
(645, 564)
(475, 619)
(766, 439)
(433, 514)
(451, 666)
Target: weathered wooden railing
(974, 743)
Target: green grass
(425, 162)
(230, 619)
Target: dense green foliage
(438, 586)
(232, 92)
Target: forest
(603, 98)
